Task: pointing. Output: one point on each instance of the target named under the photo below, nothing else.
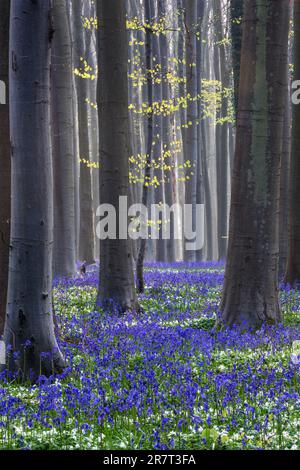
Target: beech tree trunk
(29, 325)
(236, 10)
(157, 148)
(4, 160)
(208, 145)
(222, 135)
(64, 254)
(86, 228)
(284, 176)
(190, 143)
(200, 196)
(76, 127)
(147, 173)
(116, 288)
(167, 134)
(250, 295)
(292, 275)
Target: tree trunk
(29, 325)
(222, 75)
(76, 128)
(200, 196)
(157, 149)
(4, 160)
(166, 136)
(147, 174)
(116, 289)
(236, 10)
(190, 144)
(250, 295)
(284, 178)
(292, 275)
(64, 253)
(86, 229)
(208, 145)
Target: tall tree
(4, 160)
(200, 197)
(147, 173)
(250, 293)
(292, 275)
(64, 254)
(166, 132)
(29, 325)
(190, 143)
(116, 270)
(156, 49)
(284, 184)
(208, 145)
(236, 13)
(86, 232)
(222, 149)
(284, 170)
(71, 22)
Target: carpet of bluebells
(164, 379)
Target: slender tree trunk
(190, 144)
(86, 229)
(179, 117)
(208, 146)
(147, 175)
(181, 59)
(250, 293)
(76, 128)
(93, 127)
(157, 149)
(94, 138)
(236, 10)
(292, 275)
(222, 134)
(29, 325)
(64, 254)
(4, 160)
(284, 178)
(200, 195)
(168, 161)
(116, 287)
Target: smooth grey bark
(134, 127)
(292, 274)
(94, 139)
(179, 118)
(29, 325)
(86, 229)
(190, 143)
(147, 173)
(5, 163)
(76, 128)
(222, 135)
(208, 146)
(236, 15)
(116, 287)
(200, 194)
(137, 122)
(158, 142)
(166, 134)
(181, 58)
(64, 253)
(93, 127)
(284, 177)
(250, 292)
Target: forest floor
(166, 379)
